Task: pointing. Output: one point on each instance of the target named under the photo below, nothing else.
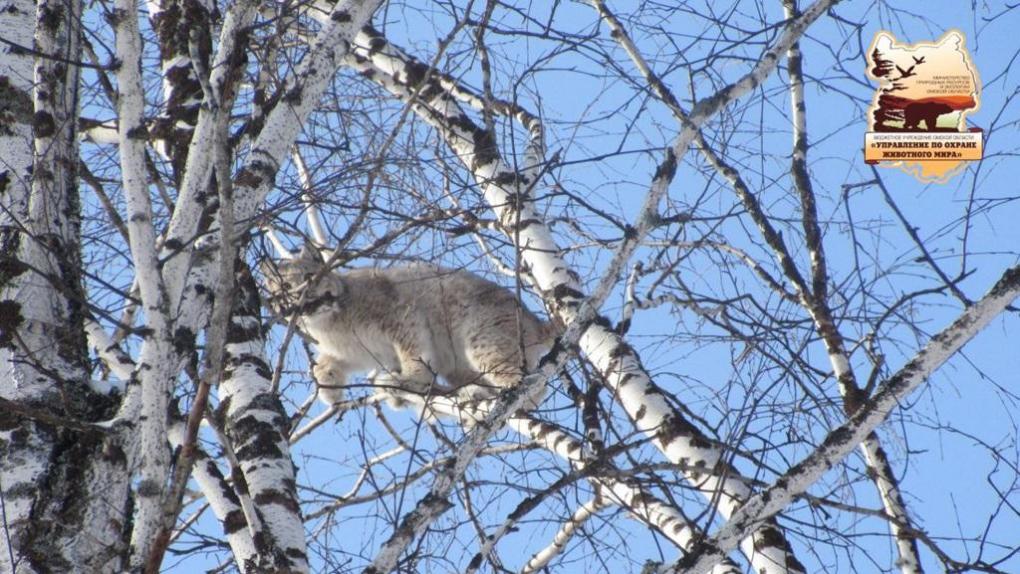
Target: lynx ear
(267, 268)
(309, 253)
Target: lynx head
(301, 285)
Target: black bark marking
(139, 132)
(621, 351)
(116, 16)
(248, 178)
(507, 178)
(674, 427)
(114, 453)
(240, 483)
(257, 438)
(415, 73)
(485, 149)
(293, 96)
(271, 496)
(296, 554)
(667, 169)
(563, 292)
(237, 332)
(15, 106)
(376, 45)
(233, 522)
(149, 487)
(43, 125)
(51, 17)
(260, 366)
(10, 320)
(184, 341)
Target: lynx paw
(331, 378)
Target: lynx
(425, 330)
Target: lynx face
(301, 285)
(426, 331)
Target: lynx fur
(425, 330)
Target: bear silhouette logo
(927, 112)
(918, 118)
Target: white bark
(253, 183)
(665, 517)
(156, 370)
(23, 464)
(269, 151)
(256, 425)
(817, 304)
(192, 200)
(43, 359)
(222, 500)
(119, 362)
(307, 197)
(191, 270)
(583, 513)
(182, 30)
(436, 501)
(504, 189)
(842, 440)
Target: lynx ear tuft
(309, 253)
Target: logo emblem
(917, 120)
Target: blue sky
(950, 479)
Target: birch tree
(758, 335)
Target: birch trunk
(183, 29)
(257, 426)
(506, 192)
(64, 485)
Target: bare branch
(842, 440)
